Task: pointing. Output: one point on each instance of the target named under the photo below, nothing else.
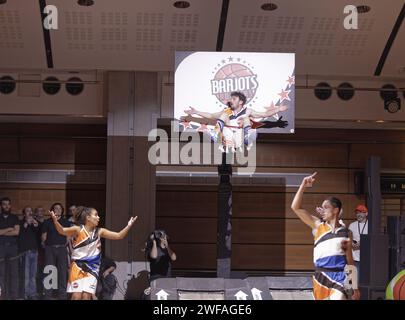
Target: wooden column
(132, 107)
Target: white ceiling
(314, 31)
(127, 34)
(21, 37)
(143, 34)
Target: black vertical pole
(224, 235)
(373, 194)
(374, 259)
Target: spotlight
(363, 9)
(269, 6)
(392, 105)
(85, 3)
(181, 4)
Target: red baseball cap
(361, 208)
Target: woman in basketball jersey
(334, 266)
(85, 248)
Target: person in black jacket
(56, 253)
(28, 246)
(9, 230)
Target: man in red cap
(358, 228)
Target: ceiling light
(363, 9)
(85, 3)
(181, 4)
(269, 6)
(392, 105)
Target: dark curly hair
(57, 204)
(240, 95)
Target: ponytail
(80, 214)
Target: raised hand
(308, 181)
(282, 108)
(53, 215)
(132, 220)
(281, 123)
(356, 294)
(344, 245)
(190, 111)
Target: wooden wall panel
(270, 231)
(392, 154)
(53, 147)
(47, 150)
(62, 150)
(38, 196)
(272, 257)
(9, 149)
(244, 231)
(302, 155)
(246, 257)
(195, 256)
(246, 204)
(186, 203)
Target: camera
(159, 234)
(156, 235)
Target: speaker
(374, 260)
(359, 180)
(396, 237)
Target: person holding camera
(160, 255)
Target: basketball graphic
(396, 287)
(234, 77)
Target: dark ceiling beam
(47, 35)
(222, 24)
(390, 42)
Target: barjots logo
(230, 76)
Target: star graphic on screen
(230, 59)
(223, 61)
(238, 59)
(284, 95)
(291, 80)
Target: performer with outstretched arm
(85, 245)
(236, 115)
(334, 266)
